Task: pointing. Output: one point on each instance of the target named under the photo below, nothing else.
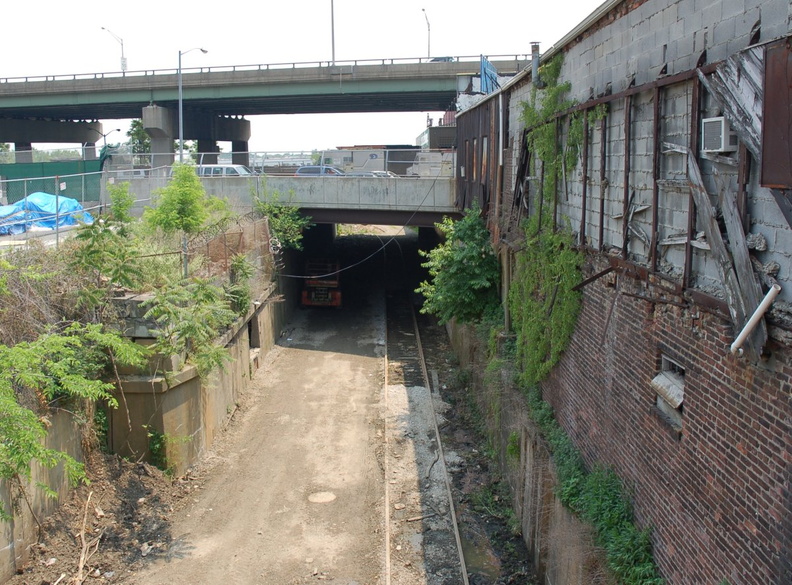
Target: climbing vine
(543, 139)
(598, 497)
(542, 301)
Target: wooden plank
(749, 286)
(738, 309)
(738, 86)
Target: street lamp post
(121, 41)
(332, 28)
(428, 35)
(181, 102)
(104, 135)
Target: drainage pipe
(758, 314)
(535, 63)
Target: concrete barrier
(429, 195)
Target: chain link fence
(85, 188)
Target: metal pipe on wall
(758, 314)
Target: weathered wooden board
(739, 308)
(749, 285)
(738, 86)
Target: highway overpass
(215, 100)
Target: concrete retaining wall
(561, 547)
(21, 531)
(182, 409)
(185, 410)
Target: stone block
(782, 242)
(724, 31)
(712, 13)
(775, 18)
(694, 24)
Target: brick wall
(717, 494)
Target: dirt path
(294, 491)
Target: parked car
(361, 174)
(318, 170)
(223, 171)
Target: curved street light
(121, 41)
(428, 35)
(181, 101)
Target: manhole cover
(321, 497)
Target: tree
(463, 271)
(56, 367)
(183, 206)
(286, 222)
(139, 140)
(5, 153)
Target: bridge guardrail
(259, 67)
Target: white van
(223, 171)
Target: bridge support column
(239, 152)
(89, 151)
(159, 124)
(207, 150)
(23, 152)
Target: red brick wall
(718, 497)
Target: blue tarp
(38, 210)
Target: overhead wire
(377, 251)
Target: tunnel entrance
(368, 257)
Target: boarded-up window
(777, 119)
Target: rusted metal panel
(776, 170)
(603, 180)
(584, 202)
(626, 186)
(737, 85)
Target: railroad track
(422, 539)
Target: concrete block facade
(714, 485)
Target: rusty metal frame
(585, 178)
(626, 186)
(603, 180)
(695, 108)
(657, 139)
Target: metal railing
(417, 162)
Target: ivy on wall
(544, 308)
(543, 304)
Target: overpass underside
(378, 217)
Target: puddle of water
(480, 558)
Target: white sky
(53, 37)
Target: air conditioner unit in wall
(717, 135)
